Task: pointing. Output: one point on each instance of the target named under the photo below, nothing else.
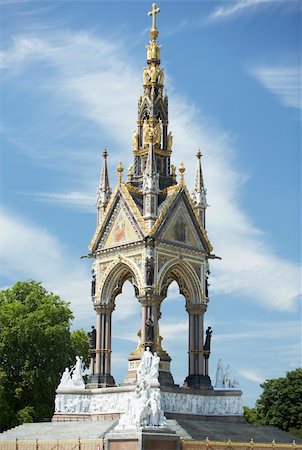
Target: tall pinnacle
(103, 194)
(152, 134)
(199, 192)
(150, 177)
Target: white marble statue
(219, 375)
(73, 379)
(154, 368)
(144, 408)
(235, 383)
(227, 379)
(65, 380)
(148, 367)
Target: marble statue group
(144, 408)
(73, 378)
(224, 379)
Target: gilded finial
(120, 170)
(182, 170)
(153, 30)
(130, 172)
(199, 154)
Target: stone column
(102, 376)
(143, 324)
(154, 314)
(200, 343)
(107, 350)
(196, 378)
(150, 309)
(98, 341)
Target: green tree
(280, 403)
(80, 345)
(35, 346)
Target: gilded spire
(153, 31)
(104, 192)
(152, 134)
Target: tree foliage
(35, 346)
(280, 403)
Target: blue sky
(71, 73)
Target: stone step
(59, 430)
(179, 430)
(236, 432)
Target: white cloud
(251, 375)
(71, 199)
(283, 81)
(99, 85)
(234, 8)
(31, 252)
(268, 331)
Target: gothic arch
(189, 284)
(117, 273)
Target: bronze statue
(149, 271)
(207, 344)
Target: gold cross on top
(153, 14)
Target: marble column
(196, 377)
(101, 376)
(107, 350)
(143, 324)
(98, 341)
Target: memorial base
(111, 402)
(143, 439)
(198, 382)
(99, 381)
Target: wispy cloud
(232, 9)
(72, 199)
(97, 85)
(252, 375)
(283, 81)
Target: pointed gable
(179, 224)
(121, 223)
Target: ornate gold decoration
(130, 172)
(135, 140)
(153, 31)
(158, 151)
(134, 208)
(120, 170)
(152, 131)
(133, 189)
(169, 141)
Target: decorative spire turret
(152, 132)
(104, 192)
(150, 190)
(199, 193)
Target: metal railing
(229, 445)
(99, 444)
(68, 444)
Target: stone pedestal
(143, 439)
(198, 382)
(100, 381)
